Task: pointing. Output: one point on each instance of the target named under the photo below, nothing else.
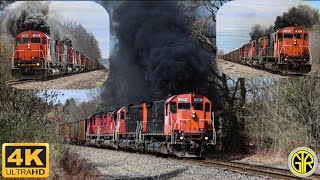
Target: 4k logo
(25, 160)
(303, 161)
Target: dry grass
(71, 166)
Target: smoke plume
(302, 15)
(27, 16)
(257, 31)
(155, 55)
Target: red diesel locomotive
(181, 125)
(286, 51)
(35, 56)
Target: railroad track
(261, 170)
(23, 81)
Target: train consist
(180, 125)
(37, 56)
(285, 51)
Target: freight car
(285, 51)
(180, 125)
(36, 55)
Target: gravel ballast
(242, 71)
(123, 165)
(84, 80)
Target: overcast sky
(235, 19)
(90, 14)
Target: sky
(96, 20)
(235, 19)
(80, 95)
(90, 14)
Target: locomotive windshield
(184, 106)
(25, 40)
(288, 36)
(197, 106)
(298, 36)
(35, 40)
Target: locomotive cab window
(184, 106)
(18, 41)
(122, 115)
(25, 40)
(298, 36)
(197, 106)
(44, 40)
(115, 117)
(173, 107)
(288, 36)
(280, 36)
(166, 109)
(207, 107)
(305, 36)
(35, 40)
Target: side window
(305, 36)
(115, 117)
(166, 109)
(122, 115)
(44, 40)
(280, 36)
(173, 107)
(207, 107)
(18, 41)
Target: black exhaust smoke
(302, 16)
(155, 55)
(28, 16)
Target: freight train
(285, 51)
(36, 56)
(181, 125)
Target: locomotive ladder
(138, 131)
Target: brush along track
(252, 169)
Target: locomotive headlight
(285, 59)
(28, 44)
(38, 64)
(193, 115)
(206, 138)
(181, 137)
